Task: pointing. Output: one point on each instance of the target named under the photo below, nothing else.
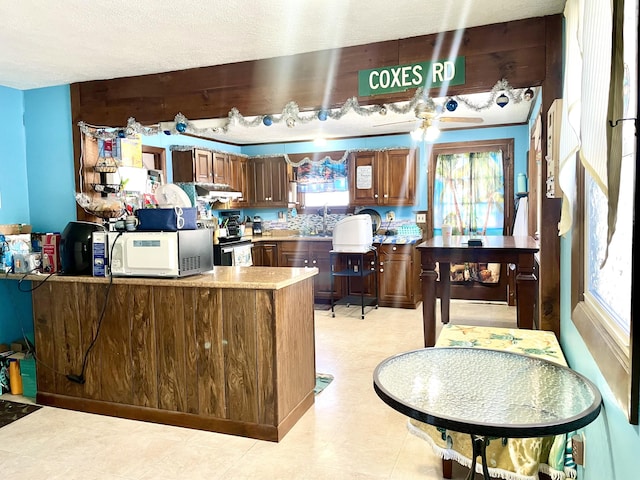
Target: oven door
(237, 254)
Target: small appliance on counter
(353, 234)
(76, 247)
(160, 254)
(257, 225)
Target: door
(221, 168)
(395, 269)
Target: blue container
(167, 219)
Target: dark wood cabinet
(292, 253)
(383, 177)
(268, 182)
(221, 167)
(239, 181)
(201, 166)
(398, 276)
(265, 254)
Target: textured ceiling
(48, 43)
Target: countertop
(262, 278)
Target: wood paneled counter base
(230, 351)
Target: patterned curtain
(469, 193)
(326, 175)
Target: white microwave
(160, 254)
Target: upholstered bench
(513, 458)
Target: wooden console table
(517, 250)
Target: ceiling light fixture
(427, 132)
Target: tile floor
(349, 433)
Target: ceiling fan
(430, 115)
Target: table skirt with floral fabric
(507, 458)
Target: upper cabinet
(268, 182)
(239, 180)
(383, 177)
(201, 166)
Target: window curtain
(469, 192)
(593, 89)
(324, 175)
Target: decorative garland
(501, 93)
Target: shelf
(357, 300)
(360, 266)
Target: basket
(15, 228)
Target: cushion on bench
(507, 458)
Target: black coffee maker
(257, 225)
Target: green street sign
(399, 78)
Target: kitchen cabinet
(310, 253)
(399, 276)
(201, 166)
(383, 177)
(265, 254)
(239, 181)
(221, 167)
(268, 182)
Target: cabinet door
(269, 182)
(183, 167)
(203, 166)
(239, 168)
(397, 177)
(221, 168)
(395, 275)
(260, 182)
(320, 258)
(293, 254)
(363, 186)
(279, 182)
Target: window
(602, 290)
(472, 185)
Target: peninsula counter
(230, 351)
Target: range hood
(217, 192)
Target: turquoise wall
(37, 187)
(612, 444)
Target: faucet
(324, 219)
(323, 213)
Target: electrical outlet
(391, 216)
(577, 447)
(421, 218)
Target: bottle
(15, 379)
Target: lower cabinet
(399, 276)
(310, 253)
(397, 270)
(264, 254)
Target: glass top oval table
(487, 393)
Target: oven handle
(230, 249)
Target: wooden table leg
(429, 276)
(445, 291)
(526, 283)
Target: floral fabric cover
(507, 458)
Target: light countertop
(263, 278)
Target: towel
(242, 256)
